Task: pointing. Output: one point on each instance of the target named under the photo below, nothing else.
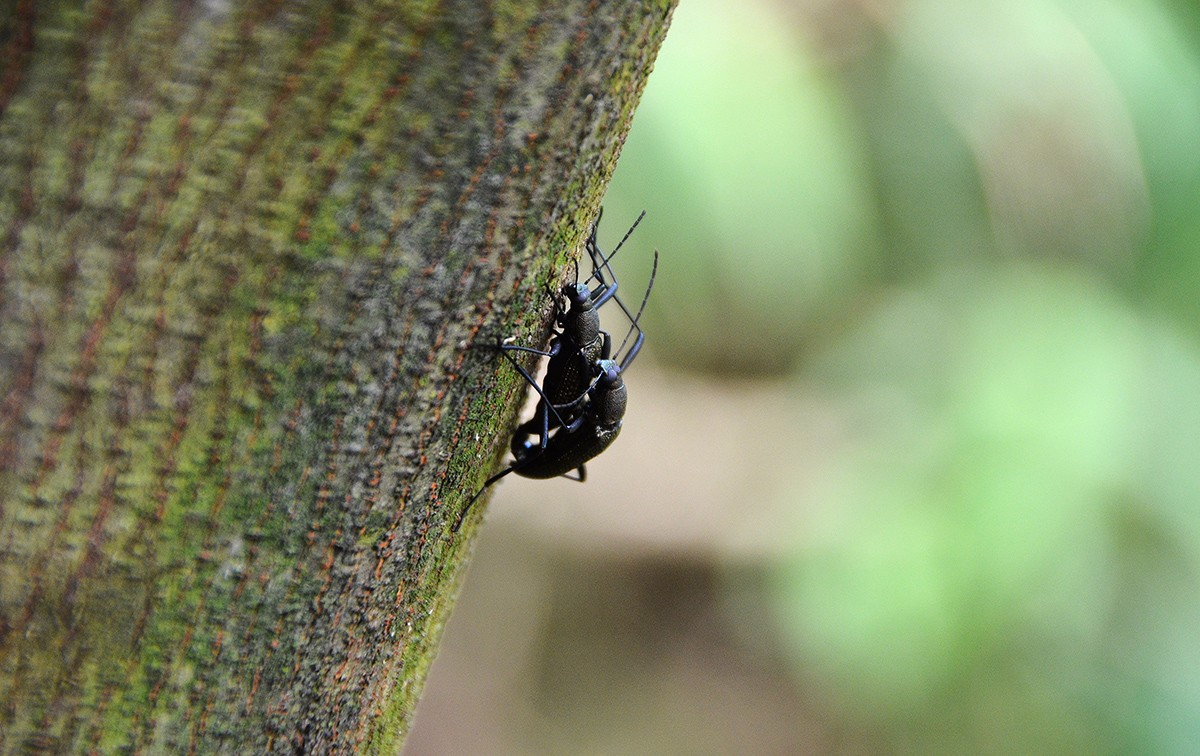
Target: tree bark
(245, 248)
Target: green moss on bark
(244, 251)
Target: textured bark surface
(244, 250)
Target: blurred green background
(912, 462)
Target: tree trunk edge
(238, 407)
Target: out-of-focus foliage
(771, 220)
(971, 230)
(1014, 536)
(919, 407)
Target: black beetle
(582, 397)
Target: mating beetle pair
(582, 397)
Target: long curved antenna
(592, 246)
(634, 321)
(604, 260)
(600, 263)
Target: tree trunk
(245, 248)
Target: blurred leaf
(1052, 147)
(1156, 64)
(767, 219)
(966, 556)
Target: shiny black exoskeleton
(594, 431)
(582, 398)
(574, 349)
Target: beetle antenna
(600, 261)
(634, 321)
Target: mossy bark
(245, 248)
